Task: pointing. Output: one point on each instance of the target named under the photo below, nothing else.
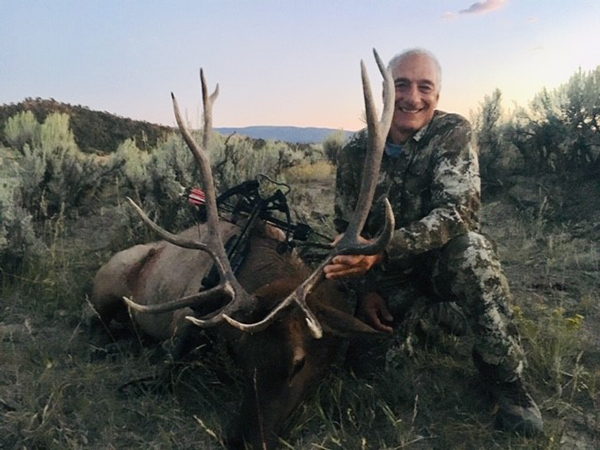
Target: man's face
(417, 95)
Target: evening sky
(283, 62)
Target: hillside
(102, 132)
(95, 131)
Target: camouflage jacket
(433, 185)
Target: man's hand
(375, 311)
(345, 266)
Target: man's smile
(409, 110)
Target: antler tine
(228, 285)
(220, 290)
(207, 101)
(167, 236)
(297, 297)
(350, 242)
(240, 296)
(377, 134)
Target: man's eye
(426, 88)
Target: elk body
(281, 362)
(283, 323)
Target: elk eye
(298, 366)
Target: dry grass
(54, 395)
(321, 171)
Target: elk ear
(343, 324)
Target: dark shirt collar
(393, 150)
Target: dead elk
(283, 323)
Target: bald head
(418, 53)
(417, 79)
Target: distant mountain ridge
(299, 135)
(100, 131)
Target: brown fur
(281, 363)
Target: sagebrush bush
(235, 160)
(56, 134)
(333, 144)
(17, 237)
(54, 173)
(156, 179)
(21, 129)
(133, 164)
(557, 133)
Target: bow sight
(244, 204)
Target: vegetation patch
(63, 214)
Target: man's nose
(411, 94)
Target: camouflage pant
(467, 271)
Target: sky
(283, 62)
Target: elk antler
(228, 286)
(350, 243)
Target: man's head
(418, 79)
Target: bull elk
(283, 323)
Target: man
(430, 174)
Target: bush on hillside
(497, 156)
(155, 180)
(55, 174)
(236, 159)
(22, 129)
(94, 131)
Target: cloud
(449, 16)
(533, 19)
(483, 7)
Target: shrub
(17, 237)
(560, 130)
(333, 144)
(155, 180)
(22, 129)
(55, 174)
(236, 159)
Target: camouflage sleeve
(455, 197)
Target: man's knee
(468, 243)
(469, 267)
(471, 251)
